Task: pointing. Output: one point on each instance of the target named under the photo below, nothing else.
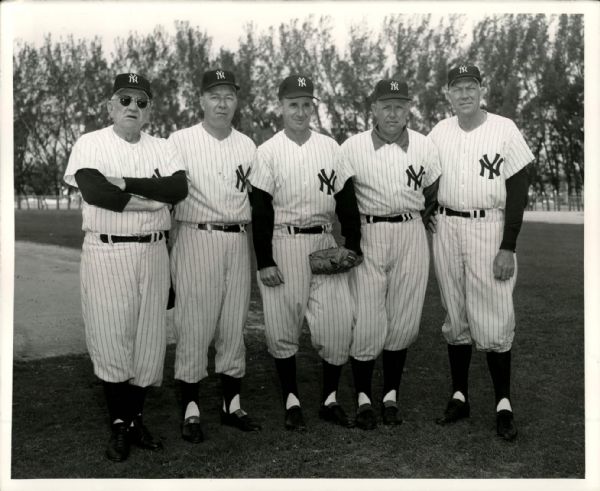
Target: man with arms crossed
(127, 179)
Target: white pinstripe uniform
(475, 166)
(303, 180)
(389, 287)
(210, 268)
(124, 286)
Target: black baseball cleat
(294, 420)
(239, 419)
(141, 437)
(505, 425)
(389, 415)
(455, 410)
(118, 445)
(365, 417)
(191, 430)
(333, 413)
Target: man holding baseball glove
(298, 183)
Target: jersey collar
(379, 140)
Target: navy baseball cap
(296, 86)
(212, 78)
(132, 81)
(463, 71)
(390, 89)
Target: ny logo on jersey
(328, 181)
(242, 178)
(301, 82)
(133, 78)
(394, 86)
(156, 173)
(414, 178)
(492, 167)
(220, 75)
(462, 69)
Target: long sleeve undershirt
(98, 191)
(517, 187)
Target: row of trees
(532, 65)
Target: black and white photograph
(299, 245)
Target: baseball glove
(333, 260)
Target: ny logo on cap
(462, 69)
(301, 82)
(133, 78)
(220, 75)
(394, 86)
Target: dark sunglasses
(126, 100)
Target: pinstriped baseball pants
(479, 308)
(211, 276)
(323, 299)
(388, 288)
(124, 291)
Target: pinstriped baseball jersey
(301, 178)
(217, 170)
(388, 180)
(389, 287)
(476, 164)
(114, 157)
(210, 268)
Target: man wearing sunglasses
(127, 179)
(210, 259)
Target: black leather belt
(395, 219)
(464, 214)
(319, 229)
(222, 228)
(134, 238)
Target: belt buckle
(327, 228)
(291, 229)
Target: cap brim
(135, 88)
(393, 96)
(216, 84)
(464, 76)
(297, 95)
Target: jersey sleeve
(262, 173)
(518, 154)
(83, 156)
(172, 159)
(343, 168)
(432, 162)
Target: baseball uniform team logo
(133, 78)
(301, 82)
(394, 86)
(220, 75)
(415, 178)
(462, 69)
(492, 167)
(242, 178)
(327, 183)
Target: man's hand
(431, 224)
(117, 181)
(504, 265)
(137, 203)
(271, 276)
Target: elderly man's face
(219, 104)
(391, 116)
(465, 96)
(129, 109)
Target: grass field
(60, 425)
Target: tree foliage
(532, 67)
